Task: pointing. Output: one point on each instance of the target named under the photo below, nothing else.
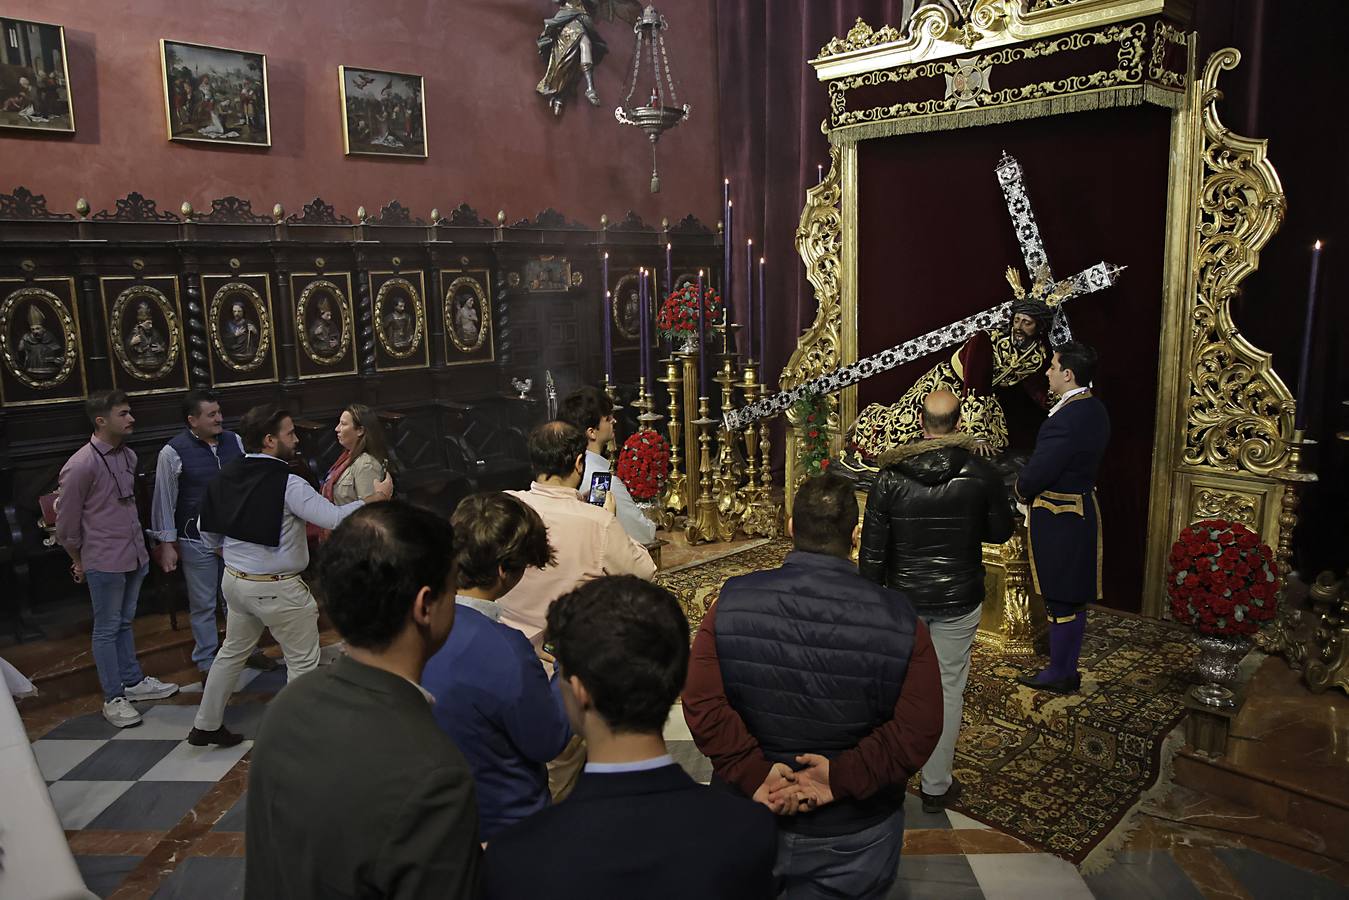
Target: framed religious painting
(324, 323)
(400, 320)
(383, 113)
(625, 311)
(40, 356)
(145, 333)
(548, 273)
(34, 77)
(215, 95)
(239, 321)
(467, 302)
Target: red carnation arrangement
(1222, 579)
(644, 464)
(679, 313)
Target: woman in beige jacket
(364, 459)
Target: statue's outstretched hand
(984, 449)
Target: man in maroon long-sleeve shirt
(814, 668)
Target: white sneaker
(150, 689)
(118, 711)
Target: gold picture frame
(167, 306)
(400, 351)
(459, 350)
(628, 328)
(35, 80)
(313, 288)
(368, 108)
(17, 386)
(195, 109)
(221, 287)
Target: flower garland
(1222, 578)
(679, 313)
(812, 411)
(644, 464)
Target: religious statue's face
(400, 305)
(238, 312)
(1024, 329)
(38, 330)
(326, 315)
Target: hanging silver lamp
(662, 111)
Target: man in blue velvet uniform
(1058, 483)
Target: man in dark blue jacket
(1059, 484)
(493, 697)
(636, 825)
(813, 665)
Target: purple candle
(763, 319)
(641, 324)
(702, 354)
(749, 298)
(819, 173)
(669, 272)
(726, 272)
(1304, 395)
(608, 340)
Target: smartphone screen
(599, 487)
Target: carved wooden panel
(41, 357)
(241, 327)
(466, 300)
(400, 320)
(325, 325)
(143, 319)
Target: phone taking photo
(599, 487)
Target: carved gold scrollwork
(116, 326)
(1215, 504)
(819, 243)
(1239, 411)
(15, 304)
(859, 37)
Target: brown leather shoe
(262, 662)
(221, 737)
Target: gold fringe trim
(1107, 98)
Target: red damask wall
(492, 142)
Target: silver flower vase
(1216, 668)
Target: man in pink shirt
(97, 524)
(588, 540)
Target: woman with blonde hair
(364, 459)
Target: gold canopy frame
(1224, 442)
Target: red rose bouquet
(678, 315)
(1222, 579)
(644, 464)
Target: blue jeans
(114, 595)
(857, 866)
(202, 568)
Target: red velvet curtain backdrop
(771, 106)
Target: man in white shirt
(593, 414)
(255, 512)
(587, 541)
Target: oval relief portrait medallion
(37, 335)
(239, 327)
(467, 314)
(144, 332)
(399, 318)
(323, 319)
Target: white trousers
(952, 639)
(287, 609)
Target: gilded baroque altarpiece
(1224, 418)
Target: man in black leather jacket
(931, 509)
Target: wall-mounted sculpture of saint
(40, 351)
(323, 321)
(468, 314)
(399, 319)
(146, 346)
(571, 47)
(626, 306)
(240, 330)
(325, 335)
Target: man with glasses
(97, 524)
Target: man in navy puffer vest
(816, 692)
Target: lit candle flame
(1318, 245)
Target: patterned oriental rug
(1060, 773)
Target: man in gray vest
(187, 463)
(813, 666)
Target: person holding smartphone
(592, 412)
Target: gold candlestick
(692, 391)
(761, 516)
(702, 524)
(611, 391)
(726, 481)
(1279, 636)
(675, 498)
(647, 404)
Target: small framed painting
(34, 78)
(383, 113)
(215, 95)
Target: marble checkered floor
(148, 815)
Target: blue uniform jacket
(1058, 482)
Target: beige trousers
(287, 609)
(565, 770)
